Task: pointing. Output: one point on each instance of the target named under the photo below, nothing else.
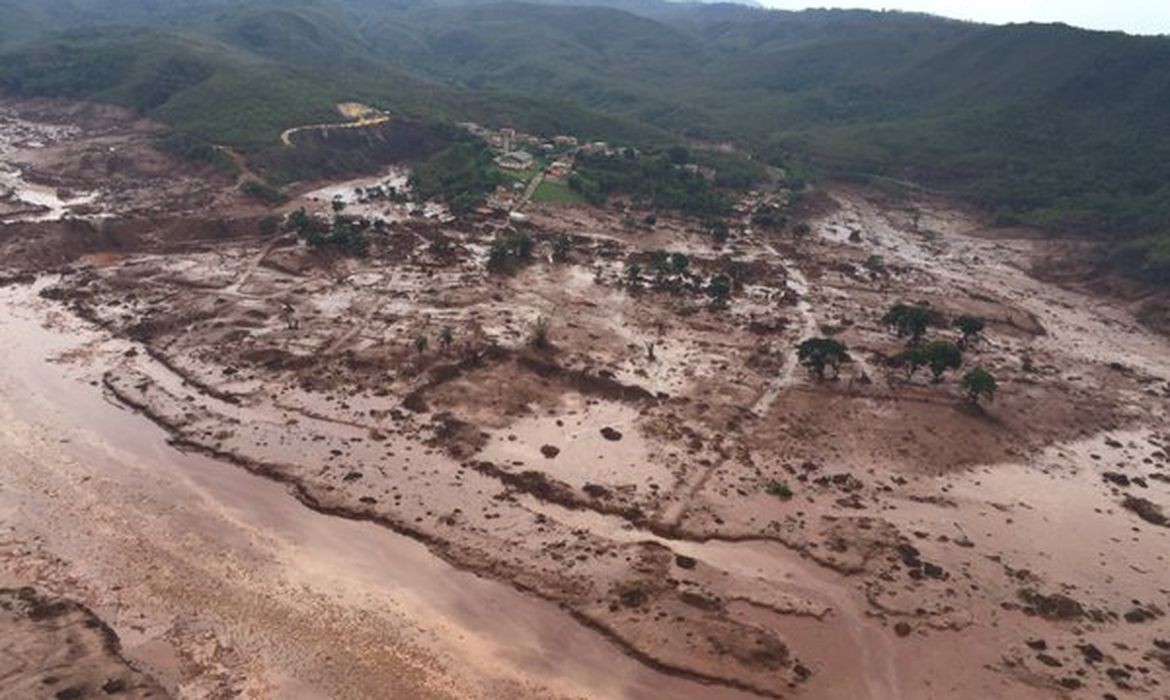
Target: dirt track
(611, 493)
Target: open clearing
(233, 451)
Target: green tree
(720, 231)
(942, 355)
(498, 254)
(971, 327)
(633, 272)
(908, 320)
(521, 245)
(979, 383)
(818, 354)
(913, 359)
(420, 343)
(446, 337)
(679, 262)
(660, 262)
(719, 289)
(561, 246)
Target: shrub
(263, 191)
(780, 490)
(538, 338)
(269, 225)
(561, 247)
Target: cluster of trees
(911, 321)
(462, 175)
(512, 248)
(673, 271)
(509, 249)
(654, 180)
(380, 193)
(820, 355)
(343, 234)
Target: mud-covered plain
(612, 443)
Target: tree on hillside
(942, 355)
(908, 320)
(971, 327)
(817, 354)
(979, 383)
(446, 337)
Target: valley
(446, 468)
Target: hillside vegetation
(1042, 124)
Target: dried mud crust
(104, 161)
(55, 648)
(629, 469)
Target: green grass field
(556, 192)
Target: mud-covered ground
(658, 468)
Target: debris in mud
(1146, 510)
(494, 455)
(55, 647)
(1054, 607)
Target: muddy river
(127, 519)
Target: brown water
(51, 411)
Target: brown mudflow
(326, 510)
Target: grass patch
(556, 192)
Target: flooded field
(277, 473)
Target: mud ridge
(437, 546)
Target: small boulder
(610, 434)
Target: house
(559, 169)
(515, 160)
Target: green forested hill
(1042, 123)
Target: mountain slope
(1044, 123)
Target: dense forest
(1041, 124)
